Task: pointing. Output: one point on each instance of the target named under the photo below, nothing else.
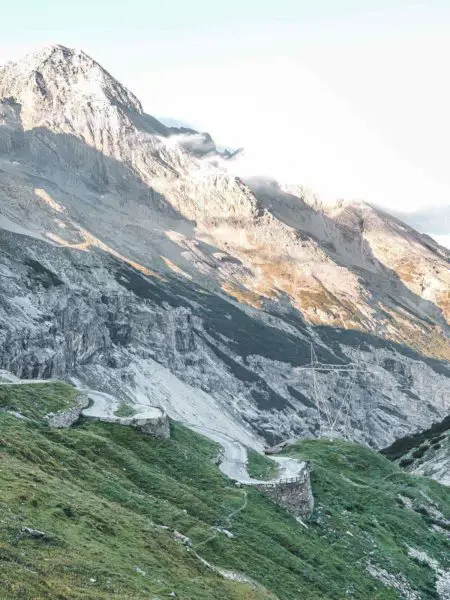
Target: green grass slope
(259, 466)
(369, 509)
(35, 400)
(101, 492)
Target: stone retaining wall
(154, 426)
(66, 418)
(295, 495)
(157, 426)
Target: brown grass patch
(242, 295)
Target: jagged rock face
(202, 358)
(420, 263)
(425, 453)
(61, 89)
(437, 463)
(133, 265)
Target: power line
(332, 425)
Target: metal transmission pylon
(333, 424)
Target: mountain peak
(53, 58)
(45, 52)
(55, 79)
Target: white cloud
(295, 127)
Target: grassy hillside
(36, 400)
(259, 466)
(372, 511)
(103, 495)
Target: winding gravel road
(234, 460)
(105, 405)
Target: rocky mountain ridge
(425, 453)
(137, 267)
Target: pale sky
(348, 97)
